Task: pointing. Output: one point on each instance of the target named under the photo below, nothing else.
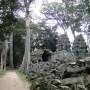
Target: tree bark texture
(4, 55)
(26, 59)
(11, 50)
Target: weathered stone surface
(75, 69)
(54, 67)
(72, 80)
(56, 82)
(52, 72)
(36, 55)
(63, 57)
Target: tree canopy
(7, 16)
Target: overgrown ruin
(63, 70)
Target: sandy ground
(11, 81)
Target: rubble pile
(61, 72)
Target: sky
(36, 12)
(36, 8)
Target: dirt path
(11, 81)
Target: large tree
(56, 12)
(7, 23)
(7, 17)
(43, 37)
(26, 57)
(67, 14)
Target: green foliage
(7, 17)
(43, 37)
(24, 77)
(18, 42)
(50, 40)
(18, 47)
(63, 43)
(2, 73)
(87, 3)
(68, 14)
(55, 11)
(79, 47)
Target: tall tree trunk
(6, 51)
(28, 40)
(73, 34)
(26, 59)
(2, 59)
(4, 55)
(24, 63)
(11, 50)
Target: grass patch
(24, 77)
(2, 72)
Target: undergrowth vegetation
(2, 72)
(24, 77)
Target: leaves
(43, 37)
(7, 16)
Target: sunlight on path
(11, 81)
